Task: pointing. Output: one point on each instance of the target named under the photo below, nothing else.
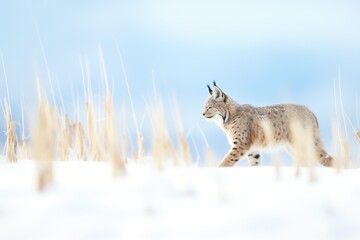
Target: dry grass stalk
(298, 151)
(80, 146)
(269, 136)
(58, 132)
(124, 140)
(57, 120)
(335, 144)
(140, 140)
(63, 146)
(162, 144)
(276, 162)
(65, 136)
(277, 167)
(69, 129)
(184, 150)
(358, 138)
(141, 149)
(347, 161)
(304, 149)
(341, 147)
(172, 152)
(118, 164)
(310, 154)
(337, 164)
(133, 153)
(91, 133)
(11, 138)
(209, 158)
(159, 143)
(11, 143)
(123, 148)
(43, 146)
(24, 151)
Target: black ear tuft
(210, 90)
(214, 83)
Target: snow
(86, 202)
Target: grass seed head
(11, 138)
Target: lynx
(250, 129)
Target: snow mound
(86, 202)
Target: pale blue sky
(260, 52)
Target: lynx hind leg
(254, 158)
(323, 157)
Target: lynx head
(216, 108)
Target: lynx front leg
(233, 156)
(254, 159)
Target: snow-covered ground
(86, 202)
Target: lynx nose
(203, 114)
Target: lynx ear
(210, 90)
(217, 94)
